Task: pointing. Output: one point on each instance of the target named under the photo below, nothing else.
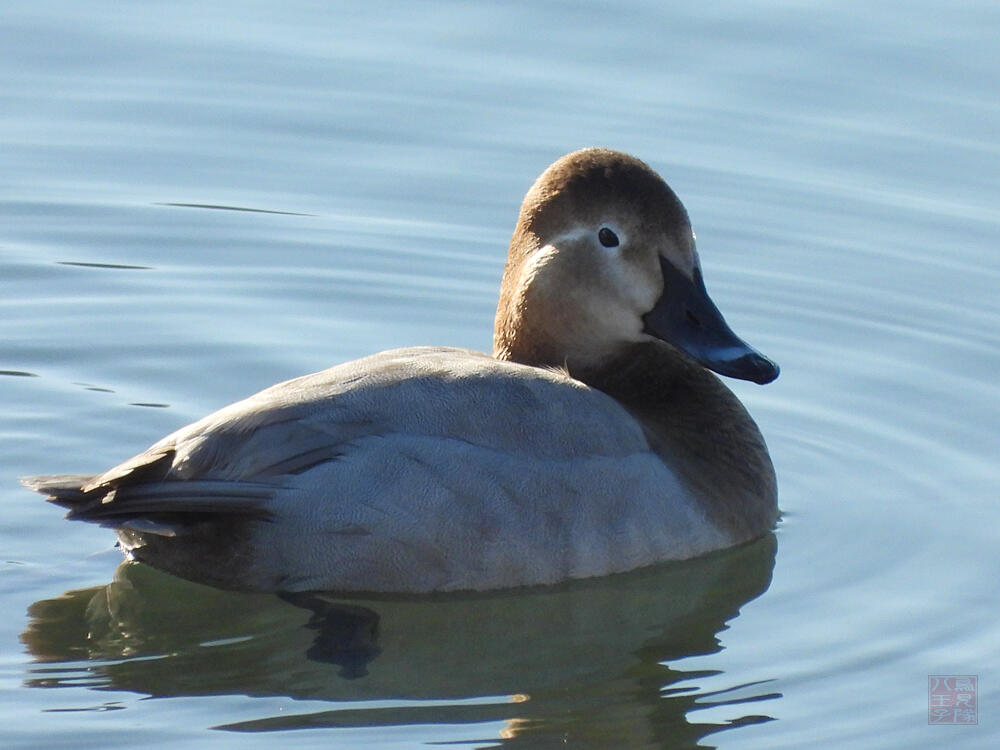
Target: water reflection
(593, 660)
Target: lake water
(840, 163)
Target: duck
(595, 439)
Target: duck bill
(686, 318)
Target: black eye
(607, 237)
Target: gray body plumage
(411, 470)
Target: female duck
(593, 441)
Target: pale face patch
(589, 299)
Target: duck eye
(607, 237)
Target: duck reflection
(598, 662)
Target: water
(840, 165)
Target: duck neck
(695, 424)
(527, 349)
(642, 375)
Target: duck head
(603, 257)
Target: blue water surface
(200, 199)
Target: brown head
(603, 257)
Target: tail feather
(62, 489)
(200, 497)
(164, 508)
